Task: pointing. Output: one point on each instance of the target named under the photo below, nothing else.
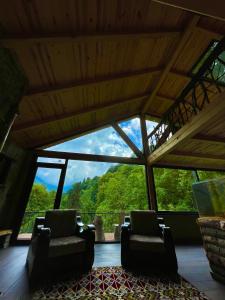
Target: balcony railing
(107, 224)
(208, 81)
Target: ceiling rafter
(90, 82)
(41, 144)
(21, 40)
(182, 41)
(189, 165)
(71, 114)
(214, 9)
(209, 139)
(197, 155)
(127, 140)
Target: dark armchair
(147, 244)
(59, 244)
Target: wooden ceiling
(91, 63)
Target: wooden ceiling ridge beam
(197, 155)
(181, 43)
(71, 114)
(127, 140)
(209, 8)
(92, 82)
(15, 40)
(88, 157)
(212, 112)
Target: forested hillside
(121, 189)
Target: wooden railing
(208, 81)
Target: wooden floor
(193, 266)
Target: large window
(174, 189)
(104, 192)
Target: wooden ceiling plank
(89, 157)
(127, 140)
(211, 113)
(189, 165)
(182, 41)
(214, 9)
(36, 123)
(90, 82)
(209, 139)
(198, 155)
(20, 40)
(79, 132)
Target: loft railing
(208, 81)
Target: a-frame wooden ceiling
(90, 63)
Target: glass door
(43, 196)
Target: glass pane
(103, 193)
(42, 197)
(205, 175)
(132, 128)
(150, 126)
(105, 141)
(174, 189)
(51, 160)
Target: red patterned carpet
(115, 283)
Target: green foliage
(121, 189)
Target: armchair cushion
(66, 245)
(146, 243)
(61, 222)
(144, 222)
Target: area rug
(115, 283)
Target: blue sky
(104, 141)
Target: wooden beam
(182, 41)
(151, 187)
(197, 155)
(212, 113)
(165, 98)
(89, 157)
(144, 135)
(25, 40)
(189, 166)
(91, 82)
(214, 9)
(71, 114)
(78, 132)
(127, 140)
(209, 139)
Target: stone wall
(12, 191)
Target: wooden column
(151, 187)
(60, 186)
(150, 184)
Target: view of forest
(121, 189)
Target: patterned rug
(115, 283)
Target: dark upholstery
(61, 222)
(144, 222)
(146, 244)
(51, 255)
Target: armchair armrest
(169, 244)
(38, 221)
(125, 233)
(125, 237)
(91, 226)
(161, 220)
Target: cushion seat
(66, 245)
(146, 243)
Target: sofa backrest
(144, 222)
(62, 222)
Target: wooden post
(60, 186)
(150, 184)
(151, 187)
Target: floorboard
(193, 266)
